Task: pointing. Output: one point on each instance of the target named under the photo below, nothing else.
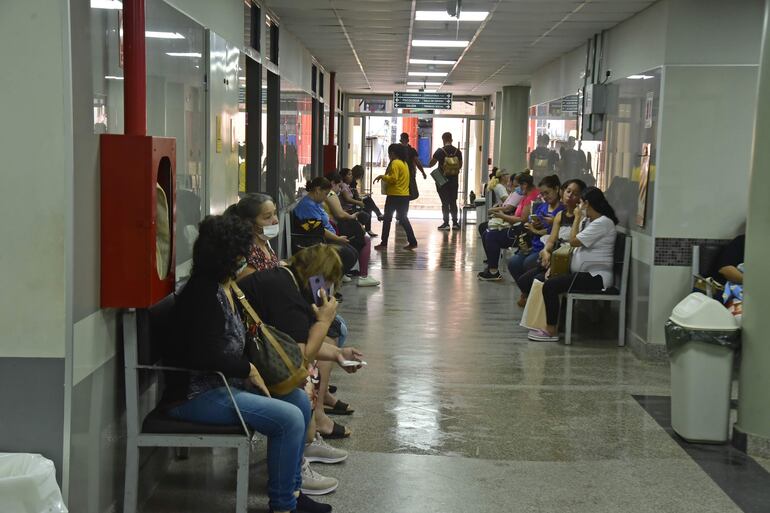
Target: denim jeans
(518, 264)
(283, 419)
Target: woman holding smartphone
(539, 225)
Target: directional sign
(569, 103)
(432, 101)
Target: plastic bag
(28, 485)
(677, 336)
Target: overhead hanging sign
(431, 101)
(569, 103)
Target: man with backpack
(450, 161)
(542, 160)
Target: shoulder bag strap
(293, 278)
(260, 325)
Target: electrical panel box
(595, 98)
(138, 180)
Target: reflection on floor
(458, 412)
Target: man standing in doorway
(413, 160)
(450, 161)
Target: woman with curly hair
(209, 336)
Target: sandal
(338, 431)
(339, 408)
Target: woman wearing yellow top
(396, 180)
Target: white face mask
(269, 232)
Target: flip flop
(339, 408)
(338, 431)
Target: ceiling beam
(409, 42)
(350, 42)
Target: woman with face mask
(258, 210)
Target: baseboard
(644, 350)
(753, 445)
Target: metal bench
(619, 295)
(144, 332)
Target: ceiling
(367, 42)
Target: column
(753, 407)
(498, 125)
(514, 116)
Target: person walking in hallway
(450, 161)
(396, 179)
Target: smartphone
(317, 284)
(353, 363)
(533, 218)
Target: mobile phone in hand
(317, 284)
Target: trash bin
(701, 337)
(28, 485)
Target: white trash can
(28, 485)
(701, 337)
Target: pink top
(528, 199)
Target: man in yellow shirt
(396, 180)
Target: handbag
(275, 354)
(561, 260)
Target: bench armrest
(224, 380)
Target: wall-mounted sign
(432, 101)
(648, 104)
(374, 105)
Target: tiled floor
(458, 412)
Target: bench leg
(242, 487)
(568, 327)
(131, 485)
(622, 325)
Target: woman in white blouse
(591, 267)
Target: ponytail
(319, 182)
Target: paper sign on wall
(219, 134)
(648, 109)
(644, 180)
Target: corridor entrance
(372, 124)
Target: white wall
(225, 17)
(36, 170)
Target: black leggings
(370, 206)
(400, 206)
(554, 287)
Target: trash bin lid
(700, 312)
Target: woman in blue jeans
(209, 335)
(539, 225)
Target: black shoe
(488, 276)
(456, 226)
(307, 505)
(444, 227)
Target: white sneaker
(314, 483)
(346, 278)
(322, 452)
(367, 282)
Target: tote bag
(533, 316)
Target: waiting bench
(144, 333)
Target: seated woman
(573, 192)
(508, 206)
(591, 266)
(209, 335)
(539, 225)
(370, 206)
(259, 211)
(309, 207)
(282, 298)
(348, 225)
(501, 232)
(348, 203)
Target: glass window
(296, 131)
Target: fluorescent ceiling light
(444, 16)
(418, 91)
(430, 61)
(184, 54)
(440, 43)
(106, 4)
(428, 73)
(163, 35)
(640, 77)
(423, 83)
(113, 77)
